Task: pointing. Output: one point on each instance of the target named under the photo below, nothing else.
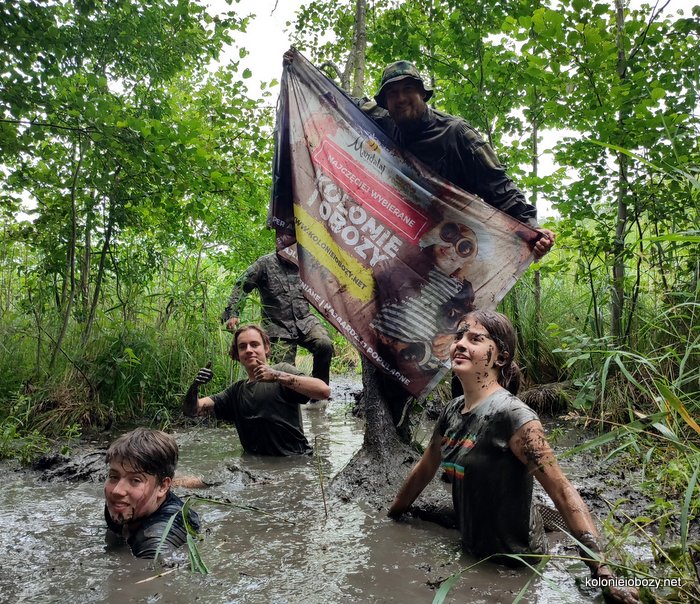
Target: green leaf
(685, 510)
(677, 405)
(613, 435)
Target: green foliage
(145, 177)
(16, 443)
(197, 565)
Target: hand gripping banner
(390, 253)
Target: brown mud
(320, 535)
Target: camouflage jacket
(455, 151)
(285, 311)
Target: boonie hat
(398, 71)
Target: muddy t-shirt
(267, 415)
(491, 487)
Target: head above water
(149, 451)
(233, 351)
(395, 72)
(501, 331)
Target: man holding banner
(445, 143)
(389, 247)
(449, 145)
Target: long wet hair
(149, 451)
(233, 351)
(501, 331)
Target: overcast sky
(266, 39)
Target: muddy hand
(204, 375)
(265, 373)
(613, 594)
(288, 57)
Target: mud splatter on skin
(536, 449)
(483, 379)
(124, 517)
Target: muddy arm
(530, 445)
(192, 405)
(312, 387)
(421, 474)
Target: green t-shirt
(491, 487)
(267, 415)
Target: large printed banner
(390, 253)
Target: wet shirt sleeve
(517, 415)
(145, 543)
(224, 403)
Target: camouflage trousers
(317, 342)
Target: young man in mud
(138, 500)
(265, 406)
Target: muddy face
(473, 353)
(130, 494)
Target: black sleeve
(145, 542)
(246, 283)
(488, 178)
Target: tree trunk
(68, 293)
(359, 47)
(618, 290)
(374, 474)
(537, 286)
(5, 262)
(85, 261)
(103, 257)
(381, 435)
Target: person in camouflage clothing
(286, 316)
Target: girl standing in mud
(491, 444)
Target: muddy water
(54, 551)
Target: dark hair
(149, 451)
(233, 351)
(501, 331)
